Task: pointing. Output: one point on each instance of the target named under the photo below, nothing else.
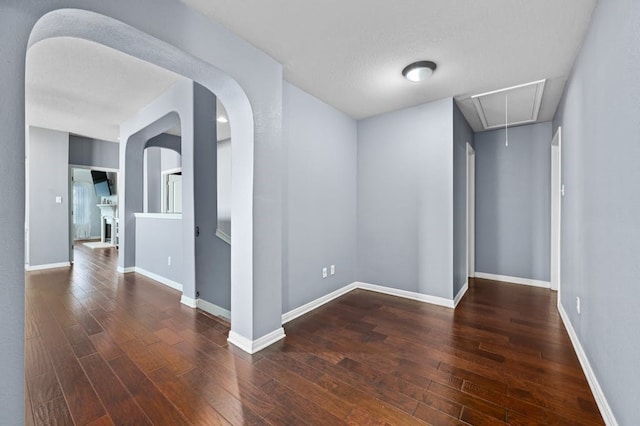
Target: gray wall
(405, 199)
(169, 160)
(462, 133)
(166, 140)
(320, 198)
(93, 152)
(600, 248)
(513, 202)
(152, 164)
(155, 242)
(224, 185)
(211, 44)
(213, 256)
(48, 222)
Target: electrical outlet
(169, 261)
(578, 304)
(324, 272)
(333, 269)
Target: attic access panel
(523, 105)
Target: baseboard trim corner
(188, 301)
(253, 346)
(461, 294)
(127, 270)
(314, 304)
(47, 266)
(159, 278)
(213, 309)
(513, 280)
(601, 400)
(434, 300)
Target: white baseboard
(127, 270)
(461, 294)
(192, 303)
(162, 280)
(253, 346)
(601, 400)
(213, 309)
(47, 266)
(223, 236)
(314, 304)
(513, 280)
(434, 300)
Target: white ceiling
(351, 53)
(85, 88)
(348, 53)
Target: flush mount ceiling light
(222, 119)
(419, 71)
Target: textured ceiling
(81, 87)
(85, 88)
(350, 53)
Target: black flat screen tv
(101, 184)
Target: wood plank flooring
(102, 348)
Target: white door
(556, 208)
(174, 191)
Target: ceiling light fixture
(419, 71)
(222, 119)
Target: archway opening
(93, 27)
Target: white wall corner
(314, 304)
(47, 266)
(253, 346)
(126, 270)
(188, 301)
(601, 400)
(461, 294)
(513, 280)
(213, 309)
(434, 300)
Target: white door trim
(471, 219)
(164, 178)
(556, 210)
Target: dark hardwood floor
(102, 348)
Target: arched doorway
(248, 331)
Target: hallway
(105, 348)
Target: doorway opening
(245, 329)
(93, 209)
(85, 128)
